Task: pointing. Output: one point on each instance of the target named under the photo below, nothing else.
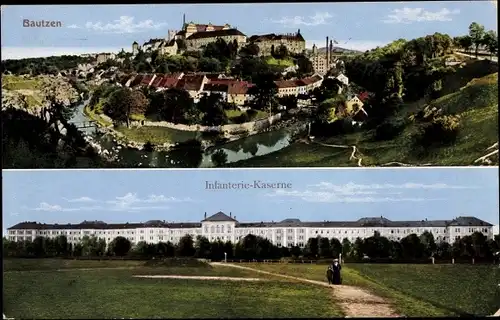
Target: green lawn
(114, 293)
(13, 82)
(476, 103)
(157, 135)
(259, 114)
(415, 290)
(280, 62)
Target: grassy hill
(476, 103)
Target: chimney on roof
(230, 215)
(205, 215)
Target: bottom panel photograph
(262, 243)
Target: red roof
(168, 82)
(286, 84)
(191, 82)
(203, 27)
(146, 79)
(240, 87)
(216, 87)
(363, 96)
(157, 81)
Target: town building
(321, 62)
(268, 43)
(300, 86)
(286, 233)
(103, 57)
(343, 79)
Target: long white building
(287, 233)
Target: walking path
(199, 278)
(355, 302)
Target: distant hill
(338, 50)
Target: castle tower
(171, 34)
(135, 48)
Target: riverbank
(162, 137)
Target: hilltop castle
(193, 37)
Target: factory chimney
(331, 52)
(327, 53)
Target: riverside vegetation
(421, 109)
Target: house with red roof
(237, 92)
(193, 84)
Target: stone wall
(252, 126)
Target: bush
(251, 113)
(387, 130)
(242, 118)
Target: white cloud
(320, 18)
(410, 15)
(44, 206)
(125, 24)
(81, 199)
(359, 45)
(131, 202)
(409, 185)
(73, 26)
(360, 193)
(128, 202)
(337, 197)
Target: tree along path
(355, 302)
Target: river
(242, 149)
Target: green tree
(219, 158)
(186, 248)
(429, 244)
(213, 109)
(324, 248)
(123, 103)
(295, 251)
(120, 246)
(202, 247)
(476, 33)
(490, 40)
(312, 247)
(346, 248)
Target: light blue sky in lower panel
(67, 196)
(359, 25)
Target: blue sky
(67, 196)
(98, 28)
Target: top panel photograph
(250, 85)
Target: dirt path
(199, 278)
(354, 301)
(357, 156)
